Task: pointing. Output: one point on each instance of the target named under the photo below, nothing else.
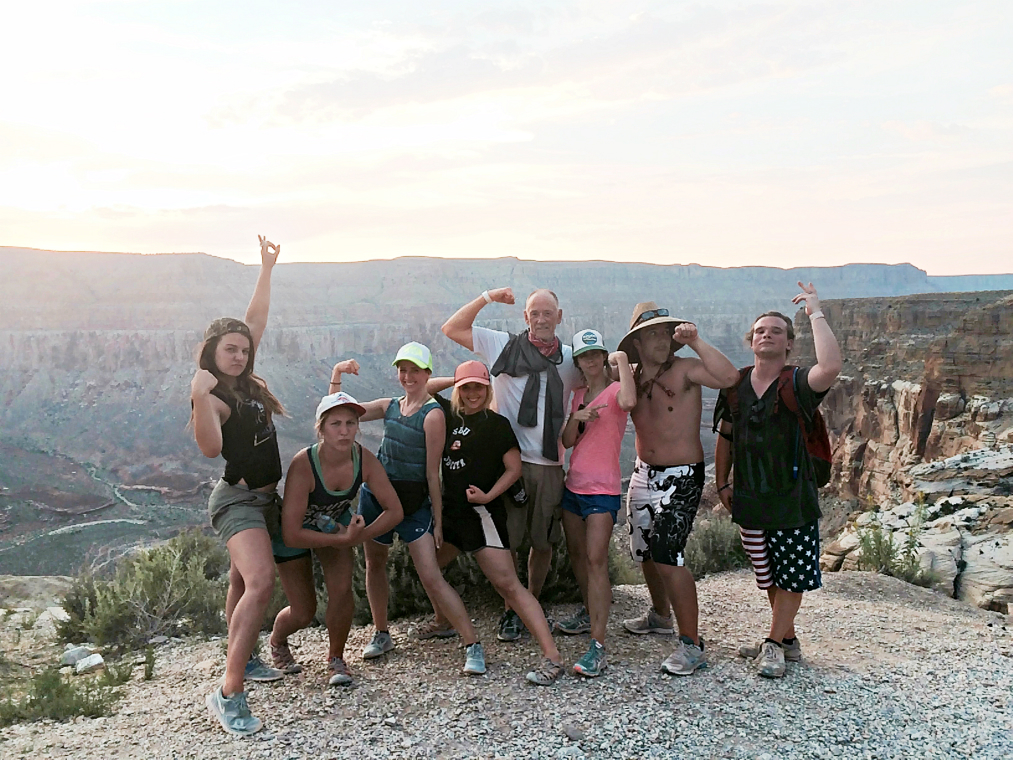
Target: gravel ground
(890, 671)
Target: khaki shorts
(233, 509)
(540, 520)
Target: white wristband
(486, 296)
(818, 314)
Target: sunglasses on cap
(651, 314)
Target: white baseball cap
(338, 399)
(588, 340)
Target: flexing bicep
(376, 478)
(699, 374)
(375, 410)
(298, 485)
(209, 414)
(512, 463)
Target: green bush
(715, 546)
(173, 589)
(878, 552)
(50, 695)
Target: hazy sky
(722, 133)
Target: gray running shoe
(381, 644)
(233, 713)
(792, 652)
(545, 674)
(283, 660)
(770, 663)
(341, 675)
(433, 629)
(686, 659)
(652, 622)
(593, 662)
(256, 670)
(579, 623)
(510, 626)
(474, 663)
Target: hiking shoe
(341, 675)
(579, 623)
(686, 659)
(283, 660)
(434, 629)
(510, 626)
(770, 663)
(546, 673)
(233, 713)
(474, 663)
(593, 662)
(256, 670)
(381, 644)
(652, 622)
(792, 652)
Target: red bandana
(545, 347)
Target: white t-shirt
(509, 390)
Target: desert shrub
(877, 551)
(715, 546)
(50, 695)
(172, 589)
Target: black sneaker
(510, 626)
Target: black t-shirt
(766, 442)
(473, 452)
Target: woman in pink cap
(591, 496)
(319, 513)
(481, 460)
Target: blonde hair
(458, 407)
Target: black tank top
(249, 443)
(325, 509)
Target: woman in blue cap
(414, 430)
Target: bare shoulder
(678, 373)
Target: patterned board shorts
(661, 506)
(788, 558)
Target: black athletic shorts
(470, 527)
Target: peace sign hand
(268, 252)
(808, 295)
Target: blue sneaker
(233, 713)
(579, 623)
(380, 645)
(593, 662)
(475, 663)
(256, 670)
(686, 659)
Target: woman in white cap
(233, 416)
(481, 460)
(319, 513)
(591, 497)
(414, 429)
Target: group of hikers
(482, 473)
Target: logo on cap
(589, 338)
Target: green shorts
(233, 509)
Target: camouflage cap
(224, 326)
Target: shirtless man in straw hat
(668, 477)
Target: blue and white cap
(588, 340)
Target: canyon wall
(925, 377)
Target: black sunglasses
(651, 314)
(580, 425)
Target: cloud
(926, 131)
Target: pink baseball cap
(471, 372)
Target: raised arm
(828, 353)
(260, 304)
(619, 364)
(209, 413)
(435, 385)
(458, 327)
(435, 427)
(713, 369)
(379, 484)
(374, 409)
